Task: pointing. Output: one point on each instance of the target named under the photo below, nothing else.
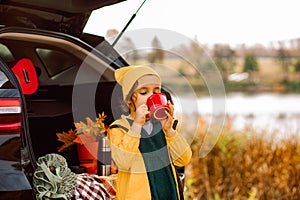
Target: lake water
(268, 112)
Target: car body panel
(12, 176)
(14, 182)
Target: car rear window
(6, 54)
(55, 61)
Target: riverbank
(255, 155)
(266, 111)
(290, 87)
(244, 164)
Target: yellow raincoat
(132, 181)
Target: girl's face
(147, 85)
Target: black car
(51, 74)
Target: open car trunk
(56, 68)
(58, 60)
(56, 105)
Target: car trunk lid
(66, 16)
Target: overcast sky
(212, 21)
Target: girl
(144, 150)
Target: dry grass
(244, 165)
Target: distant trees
(250, 64)
(132, 52)
(284, 60)
(224, 58)
(297, 66)
(111, 34)
(157, 53)
(125, 45)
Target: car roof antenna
(132, 17)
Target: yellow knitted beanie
(127, 76)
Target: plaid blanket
(91, 186)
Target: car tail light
(10, 116)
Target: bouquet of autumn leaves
(84, 132)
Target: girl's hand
(168, 122)
(140, 114)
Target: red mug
(158, 104)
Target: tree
(157, 54)
(250, 64)
(284, 60)
(224, 58)
(297, 66)
(195, 54)
(130, 49)
(125, 45)
(111, 34)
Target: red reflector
(14, 128)
(10, 102)
(10, 116)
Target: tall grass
(244, 165)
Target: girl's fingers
(168, 113)
(171, 108)
(141, 114)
